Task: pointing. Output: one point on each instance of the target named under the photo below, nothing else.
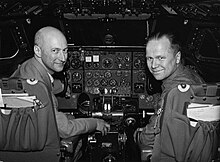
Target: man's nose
(154, 63)
(62, 56)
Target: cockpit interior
(106, 75)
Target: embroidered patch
(32, 81)
(183, 87)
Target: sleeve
(146, 136)
(70, 126)
(73, 127)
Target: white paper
(25, 101)
(204, 112)
(1, 99)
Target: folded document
(16, 100)
(204, 112)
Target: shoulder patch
(183, 87)
(32, 81)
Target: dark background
(127, 24)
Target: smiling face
(51, 49)
(162, 60)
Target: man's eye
(160, 58)
(65, 51)
(55, 51)
(149, 59)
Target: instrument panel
(114, 72)
(112, 83)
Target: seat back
(28, 129)
(189, 124)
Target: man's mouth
(61, 63)
(156, 72)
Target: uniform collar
(168, 80)
(51, 78)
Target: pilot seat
(28, 130)
(189, 125)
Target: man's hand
(136, 134)
(70, 116)
(102, 126)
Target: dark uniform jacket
(146, 137)
(67, 128)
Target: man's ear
(178, 57)
(37, 51)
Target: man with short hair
(163, 55)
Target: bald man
(50, 55)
